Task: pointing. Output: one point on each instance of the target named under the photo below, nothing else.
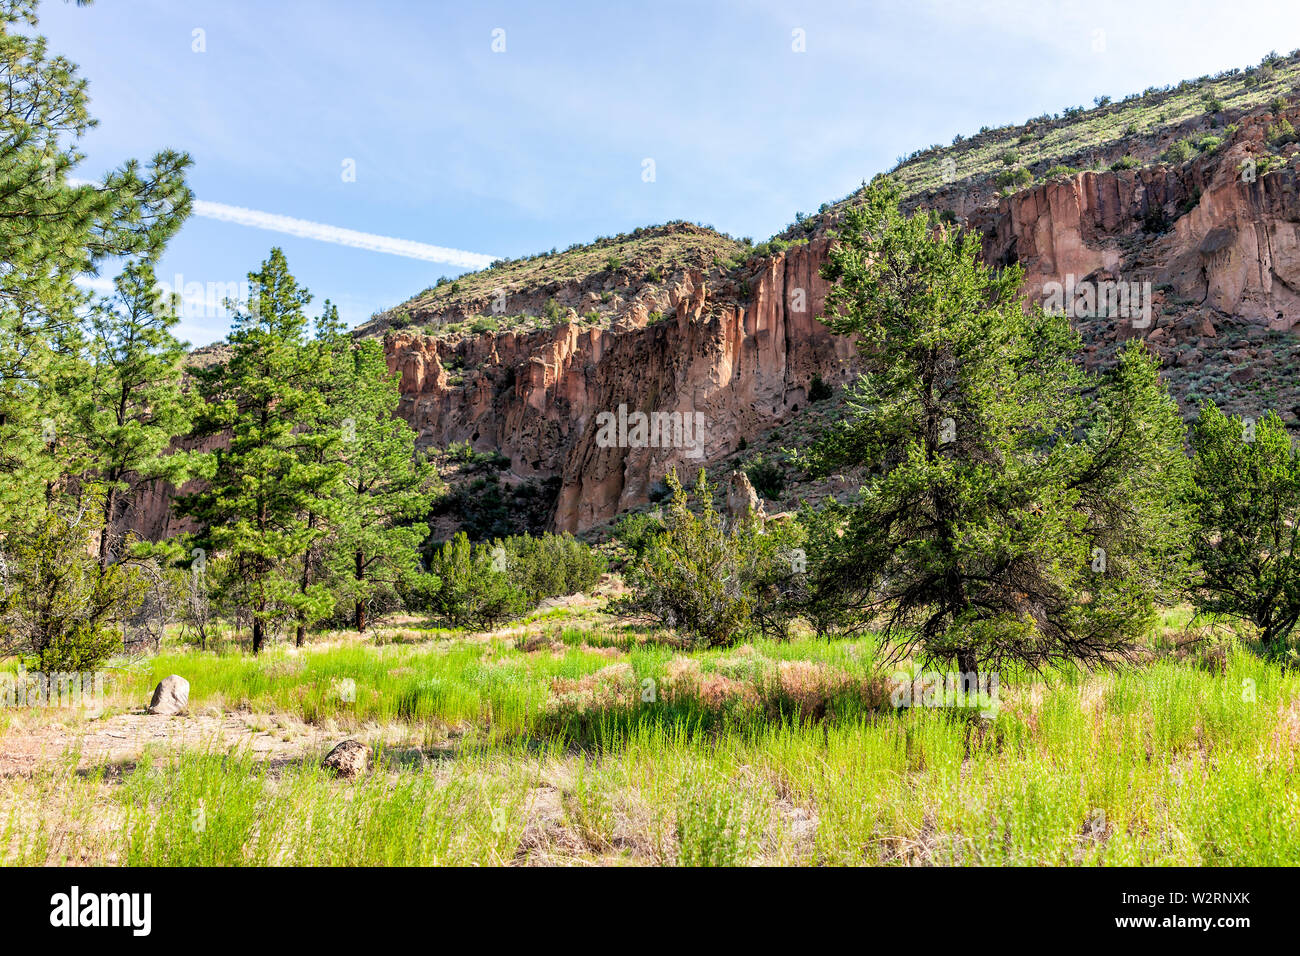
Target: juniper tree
(1016, 508)
(268, 474)
(1246, 543)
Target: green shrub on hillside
(1179, 152)
(1014, 178)
(766, 475)
(703, 577)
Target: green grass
(742, 757)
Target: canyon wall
(536, 397)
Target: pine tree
(272, 475)
(53, 230)
(1017, 508)
(386, 488)
(133, 404)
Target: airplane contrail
(322, 232)
(340, 236)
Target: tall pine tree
(263, 485)
(133, 404)
(386, 489)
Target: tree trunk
(968, 664)
(300, 635)
(105, 535)
(257, 634)
(361, 604)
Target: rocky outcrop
(715, 371)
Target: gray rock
(741, 497)
(349, 759)
(171, 696)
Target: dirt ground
(122, 738)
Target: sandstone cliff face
(537, 397)
(1234, 245)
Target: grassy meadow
(572, 739)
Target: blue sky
(510, 153)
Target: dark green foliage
(473, 588)
(767, 476)
(1017, 507)
(267, 489)
(132, 404)
(818, 391)
(1282, 133)
(485, 585)
(1014, 178)
(703, 579)
(551, 565)
(1246, 500)
(486, 508)
(1179, 152)
(59, 609)
(54, 231)
(385, 490)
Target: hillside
(514, 363)
(592, 283)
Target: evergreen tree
(52, 230)
(133, 404)
(1246, 499)
(386, 488)
(272, 474)
(1017, 508)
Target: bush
(1179, 152)
(473, 588)
(1124, 162)
(1246, 500)
(1013, 178)
(637, 533)
(1282, 134)
(551, 565)
(58, 608)
(702, 578)
(488, 584)
(1008, 157)
(818, 391)
(766, 475)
